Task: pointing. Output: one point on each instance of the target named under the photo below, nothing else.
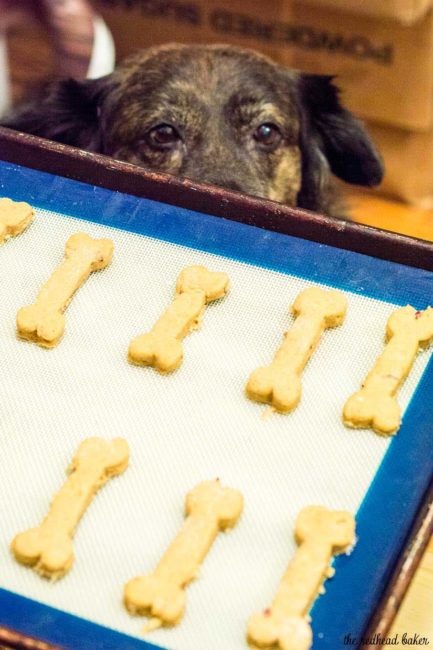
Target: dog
(217, 114)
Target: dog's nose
(232, 178)
(231, 185)
(228, 184)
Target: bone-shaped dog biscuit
(375, 404)
(48, 548)
(162, 347)
(320, 534)
(280, 384)
(44, 321)
(14, 218)
(209, 508)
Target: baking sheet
(193, 425)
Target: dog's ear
(66, 111)
(342, 138)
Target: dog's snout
(220, 178)
(242, 184)
(229, 184)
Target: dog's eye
(163, 136)
(268, 135)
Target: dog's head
(216, 114)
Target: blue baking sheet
(391, 503)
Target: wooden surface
(390, 215)
(416, 613)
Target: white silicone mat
(192, 425)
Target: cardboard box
(408, 160)
(384, 68)
(407, 12)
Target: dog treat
(280, 383)
(44, 321)
(375, 405)
(14, 218)
(48, 548)
(320, 534)
(209, 508)
(162, 347)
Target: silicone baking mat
(196, 424)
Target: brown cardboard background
(408, 162)
(407, 12)
(141, 23)
(398, 91)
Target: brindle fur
(215, 96)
